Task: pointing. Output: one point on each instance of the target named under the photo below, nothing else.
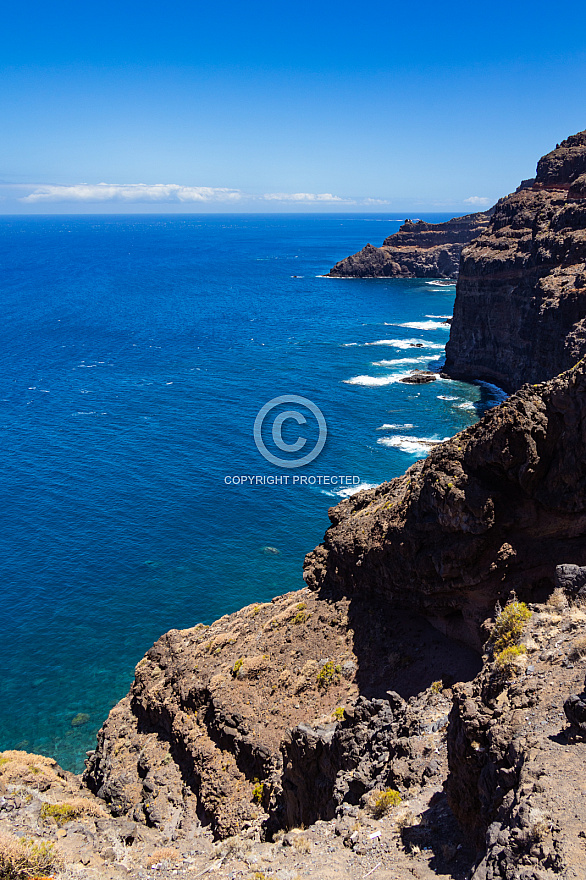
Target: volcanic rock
(417, 250)
(419, 377)
(520, 310)
(494, 509)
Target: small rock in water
(80, 719)
(271, 551)
(419, 377)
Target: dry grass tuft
(165, 854)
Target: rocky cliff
(369, 707)
(417, 250)
(491, 510)
(520, 310)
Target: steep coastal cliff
(417, 250)
(520, 310)
(307, 710)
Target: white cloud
(163, 192)
(131, 192)
(477, 200)
(375, 202)
(303, 197)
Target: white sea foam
(375, 381)
(412, 445)
(352, 490)
(424, 325)
(399, 361)
(439, 317)
(349, 344)
(468, 404)
(408, 343)
(405, 427)
(439, 283)
(445, 397)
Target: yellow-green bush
(257, 792)
(237, 666)
(328, 674)
(385, 801)
(507, 659)
(509, 626)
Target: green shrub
(237, 667)
(506, 660)
(437, 686)
(257, 792)
(338, 713)
(509, 626)
(328, 674)
(385, 802)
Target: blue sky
(191, 107)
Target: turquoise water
(136, 353)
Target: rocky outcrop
(494, 509)
(515, 777)
(417, 250)
(211, 733)
(520, 310)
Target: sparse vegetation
(385, 801)
(23, 859)
(509, 626)
(329, 674)
(258, 792)
(437, 686)
(301, 844)
(507, 660)
(578, 649)
(165, 854)
(301, 615)
(338, 713)
(70, 810)
(237, 666)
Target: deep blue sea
(136, 352)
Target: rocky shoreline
(417, 250)
(378, 677)
(418, 709)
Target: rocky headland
(417, 250)
(379, 680)
(418, 709)
(520, 310)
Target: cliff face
(495, 508)
(520, 310)
(417, 250)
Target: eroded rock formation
(494, 509)
(417, 250)
(520, 310)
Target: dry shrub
(578, 648)
(23, 859)
(557, 599)
(301, 844)
(165, 854)
(26, 769)
(71, 809)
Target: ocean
(136, 353)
